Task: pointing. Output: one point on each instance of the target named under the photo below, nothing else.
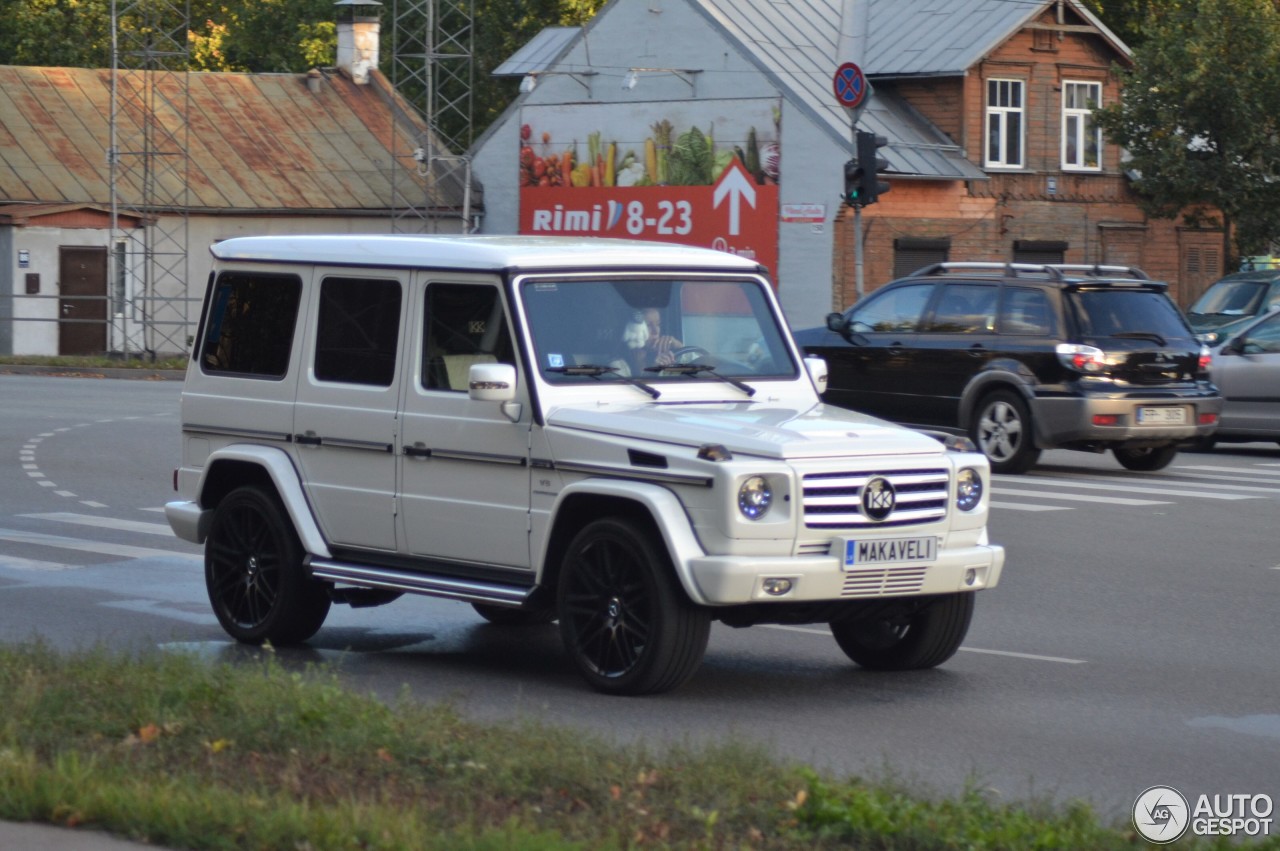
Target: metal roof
(256, 143)
(795, 43)
(539, 54)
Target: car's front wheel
(1147, 458)
(909, 640)
(254, 575)
(1001, 427)
(624, 620)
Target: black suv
(1025, 357)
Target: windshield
(653, 330)
(1121, 313)
(1231, 298)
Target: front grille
(882, 582)
(834, 500)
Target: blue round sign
(849, 85)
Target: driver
(645, 342)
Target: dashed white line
(1031, 656)
(105, 522)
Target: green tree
(1200, 118)
(1125, 18)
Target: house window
(1005, 104)
(1039, 251)
(1081, 135)
(912, 253)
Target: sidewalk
(30, 836)
(136, 373)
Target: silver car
(1246, 368)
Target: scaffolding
(433, 69)
(149, 159)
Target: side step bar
(470, 590)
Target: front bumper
(732, 580)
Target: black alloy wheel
(1147, 458)
(1001, 428)
(253, 572)
(624, 620)
(923, 638)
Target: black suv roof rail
(1056, 271)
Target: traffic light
(869, 185)
(852, 183)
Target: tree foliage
(1125, 18)
(1200, 116)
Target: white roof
(477, 253)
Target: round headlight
(968, 489)
(754, 497)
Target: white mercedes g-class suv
(617, 435)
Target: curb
(135, 374)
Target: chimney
(358, 30)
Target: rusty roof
(256, 143)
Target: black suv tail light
(1089, 360)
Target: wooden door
(82, 301)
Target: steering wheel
(689, 354)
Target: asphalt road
(1132, 642)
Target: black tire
(507, 616)
(624, 620)
(1001, 428)
(253, 572)
(924, 638)
(1146, 459)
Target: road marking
(1079, 497)
(155, 607)
(1088, 485)
(100, 547)
(1236, 470)
(105, 522)
(19, 563)
(1032, 656)
(1020, 506)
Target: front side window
(654, 329)
(1264, 338)
(465, 324)
(895, 309)
(1005, 110)
(249, 326)
(358, 331)
(1081, 135)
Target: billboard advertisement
(699, 173)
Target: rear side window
(250, 325)
(358, 331)
(1026, 311)
(966, 309)
(1112, 313)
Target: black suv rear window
(1113, 312)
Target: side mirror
(817, 369)
(836, 322)
(492, 382)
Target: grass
(69, 362)
(174, 750)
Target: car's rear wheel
(507, 616)
(1001, 428)
(254, 575)
(624, 620)
(1147, 458)
(910, 640)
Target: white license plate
(858, 552)
(1162, 416)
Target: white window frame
(1079, 128)
(1006, 110)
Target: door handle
(66, 309)
(308, 439)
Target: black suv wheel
(1001, 428)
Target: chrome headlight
(968, 489)
(754, 497)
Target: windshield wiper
(596, 370)
(699, 368)
(1141, 335)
